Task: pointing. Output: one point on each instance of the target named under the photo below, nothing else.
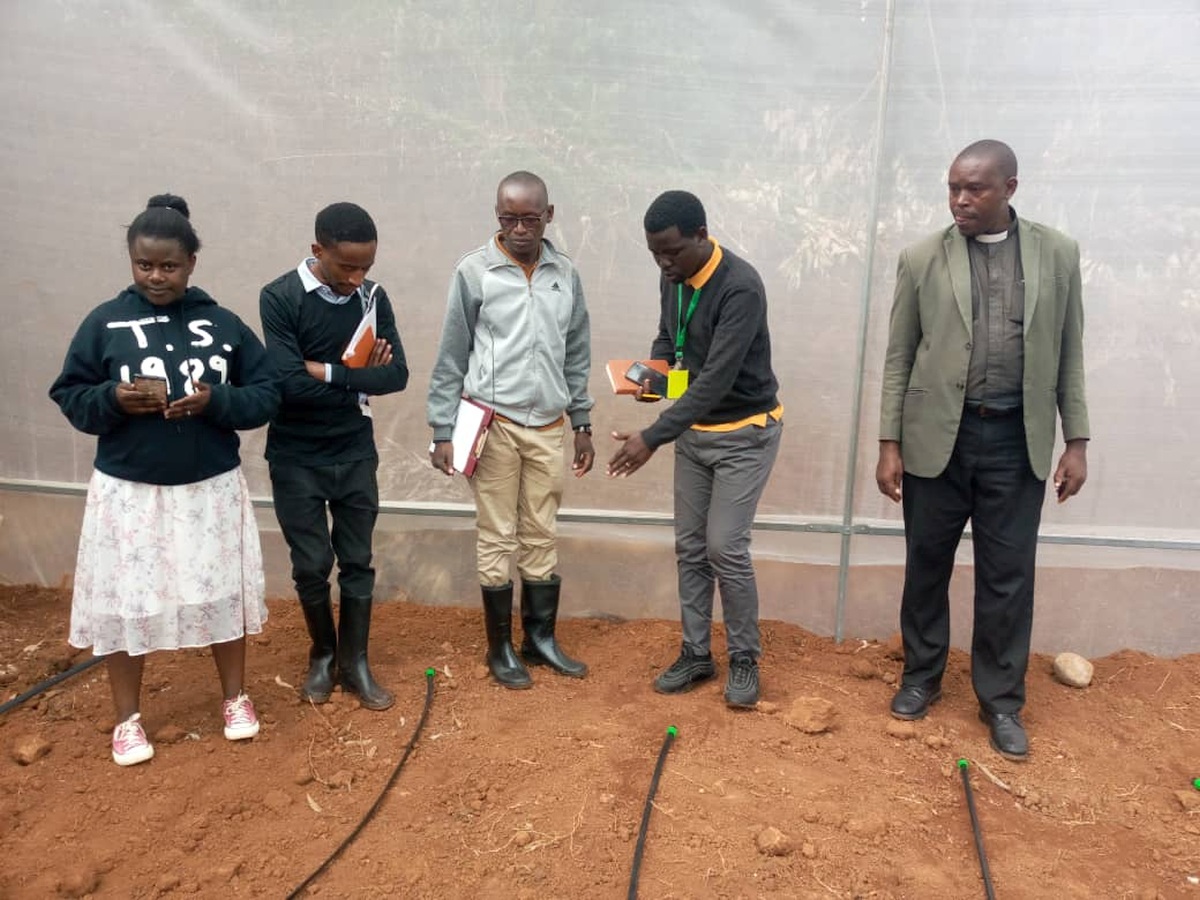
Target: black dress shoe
(1007, 735)
(912, 701)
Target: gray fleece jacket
(519, 345)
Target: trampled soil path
(539, 793)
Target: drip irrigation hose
(412, 742)
(983, 863)
(640, 847)
(49, 683)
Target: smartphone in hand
(154, 385)
(640, 373)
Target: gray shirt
(520, 344)
(996, 370)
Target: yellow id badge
(677, 383)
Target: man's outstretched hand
(631, 456)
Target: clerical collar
(1000, 235)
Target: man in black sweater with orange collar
(321, 445)
(726, 425)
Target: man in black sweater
(726, 426)
(321, 444)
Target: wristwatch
(582, 429)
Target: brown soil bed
(539, 793)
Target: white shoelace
(240, 711)
(130, 731)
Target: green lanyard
(682, 321)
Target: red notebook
(470, 433)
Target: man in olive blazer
(985, 346)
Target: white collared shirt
(312, 283)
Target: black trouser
(988, 481)
(351, 495)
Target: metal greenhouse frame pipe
(864, 318)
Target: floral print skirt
(167, 566)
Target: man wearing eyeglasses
(516, 339)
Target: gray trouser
(719, 478)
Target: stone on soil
(228, 870)
(773, 842)
(29, 748)
(863, 668)
(868, 827)
(901, 730)
(812, 715)
(169, 734)
(1073, 670)
(80, 881)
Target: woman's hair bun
(170, 201)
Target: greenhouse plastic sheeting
(817, 134)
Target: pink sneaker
(129, 744)
(241, 722)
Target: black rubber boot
(502, 660)
(322, 655)
(354, 675)
(539, 613)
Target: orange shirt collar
(698, 280)
(527, 268)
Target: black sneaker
(686, 672)
(741, 687)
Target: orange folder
(362, 342)
(616, 369)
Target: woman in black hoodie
(169, 554)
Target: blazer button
(969, 345)
(960, 386)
